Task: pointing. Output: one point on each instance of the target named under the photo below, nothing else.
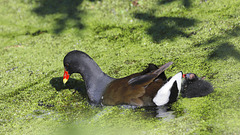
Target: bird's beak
(65, 77)
(184, 75)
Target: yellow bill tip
(65, 81)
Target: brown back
(136, 89)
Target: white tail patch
(163, 94)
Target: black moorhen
(147, 88)
(138, 89)
(194, 86)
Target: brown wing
(146, 79)
(120, 92)
(128, 90)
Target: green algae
(198, 36)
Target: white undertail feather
(163, 94)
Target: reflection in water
(164, 112)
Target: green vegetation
(199, 36)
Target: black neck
(95, 79)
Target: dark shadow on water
(224, 49)
(67, 9)
(186, 3)
(77, 85)
(165, 27)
